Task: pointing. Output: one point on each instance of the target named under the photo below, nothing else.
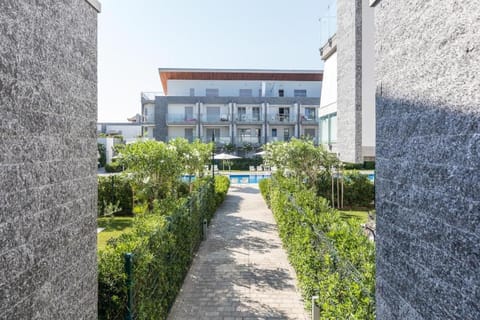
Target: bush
(244, 163)
(332, 257)
(222, 183)
(115, 189)
(358, 191)
(366, 165)
(264, 186)
(163, 244)
(114, 167)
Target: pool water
(246, 178)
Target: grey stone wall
(48, 159)
(428, 159)
(349, 80)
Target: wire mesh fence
(154, 264)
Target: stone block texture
(428, 159)
(48, 157)
(349, 80)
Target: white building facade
(347, 106)
(236, 107)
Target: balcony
(148, 120)
(221, 140)
(308, 119)
(248, 119)
(216, 119)
(275, 118)
(181, 119)
(254, 140)
(189, 138)
(279, 138)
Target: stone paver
(241, 271)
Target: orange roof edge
(237, 74)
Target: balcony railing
(308, 119)
(150, 119)
(281, 118)
(218, 140)
(215, 118)
(189, 138)
(241, 140)
(173, 118)
(279, 138)
(243, 118)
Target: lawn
(361, 216)
(114, 227)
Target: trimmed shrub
(332, 257)
(163, 244)
(115, 189)
(113, 167)
(222, 183)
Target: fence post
(205, 225)
(315, 309)
(129, 283)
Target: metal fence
(154, 272)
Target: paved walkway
(241, 271)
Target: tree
(300, 159)
(154, 168)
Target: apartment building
(235, 107)
(347, 107)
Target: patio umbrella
(261, 153)
(224, 156)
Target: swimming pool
(246, 178)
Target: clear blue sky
(135, 38)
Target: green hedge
(332, 257)
(115, 189)
(358, 191)
(366, 165)
(163, 244)
(113, 167)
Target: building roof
(237, 74)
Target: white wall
(368, 79)
(230, 88)
(180, 109)
(328, 101)
(179, 131)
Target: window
(211, 131)
(328, 129)
(188, 113)
(259, 92)
(211, 92)
(242, 113)
(213, 113)
(309, 113)
(189, 134)
(300, 93)
(286, 134)
(280, 93)
(192, 92)
(274, 132)
(245, 92)
(309, 133)
(256, 114)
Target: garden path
(241, 271)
